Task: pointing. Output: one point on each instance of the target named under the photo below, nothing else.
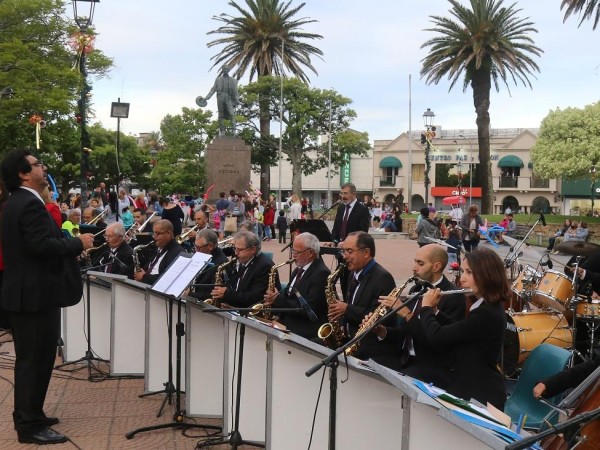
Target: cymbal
(577, 248)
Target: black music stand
(312, 226)
(185, 277)
(89, 357)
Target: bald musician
(167, 249)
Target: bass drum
(525, 331)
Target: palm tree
(487, 43)
(577, 6)
(263, 39)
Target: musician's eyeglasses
(297, 252)
(200, 247)
(350, 251)
(36, 164)
(159, 233)
(238, 249)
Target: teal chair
(268, 255)
(545, 360)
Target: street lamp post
(120, 111)
(470, 168)
(428, 117)
(459, 167)
(84, 22)
(593, 174)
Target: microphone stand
(328, 209)
(235, 437)
(570, 428)
(332, 362)
(89, 356)
(513, 253)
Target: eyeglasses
(297, 252)
(238, 249)
(36, 164)
(345, 194)
(199, 247)
(350, 251)
(159, 233)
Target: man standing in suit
(119, 257)
(412, 354)
(367, 282)
(207, 242)
(351, 215)
(167, 250)
(41, 276)
(249, 279)
(308, 280)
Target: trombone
(97, 218)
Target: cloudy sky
(370, 49)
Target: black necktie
(154, 261)
(352, 285)
(299, 274)
(344, 227)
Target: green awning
(390, 161)
(511, 161)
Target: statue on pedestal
(227, 99)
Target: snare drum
(554, 291)
(528, 279)
(525, 331)
(588, 310)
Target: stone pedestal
(227, 166)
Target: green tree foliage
(253, 41)
(306, 114)
(36, 61)
(484, 44)
(568, 143)
(585, 8)
(180, 163)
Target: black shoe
(51, 421)
(43, 437)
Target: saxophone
(380, 311)
(332, 333)
(259, 306)
(136, 258)
(219, 281)
(87, 258)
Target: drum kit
(547, 308)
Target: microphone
(287, 246)
(305, 306)
(542, 218)
(548, 262)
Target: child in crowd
(454, 241)
(282, 226)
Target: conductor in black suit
(309, 279)
(249, 278)
(167, 250)
(367, 282)
(41, 276)
(207, 242)
(413, 355)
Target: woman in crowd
(562, 232)
(295, 211)
(476, 341)
(112, 209)
(470, 224)
(425, 228)
(173, 213)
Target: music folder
(181, 273)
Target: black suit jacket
(312, 288)
(253, 283)
(41, 271)
(430, 365)
(207, 276)
(359, 220)
(476, 343)
(122, 264)
(173, 249)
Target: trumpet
(97, 218)
(183, 237)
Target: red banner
(450, 191)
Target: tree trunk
(481, 85)
(296, 158)
(265, 132)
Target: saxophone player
(119, 255)
(309, 280)
(367, 281)
(167, 250)
(412, 353)
(207, 242)
(249, 278)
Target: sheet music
(180, 274)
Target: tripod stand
(170, 389)
(89, 356)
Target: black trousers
(35, 337)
